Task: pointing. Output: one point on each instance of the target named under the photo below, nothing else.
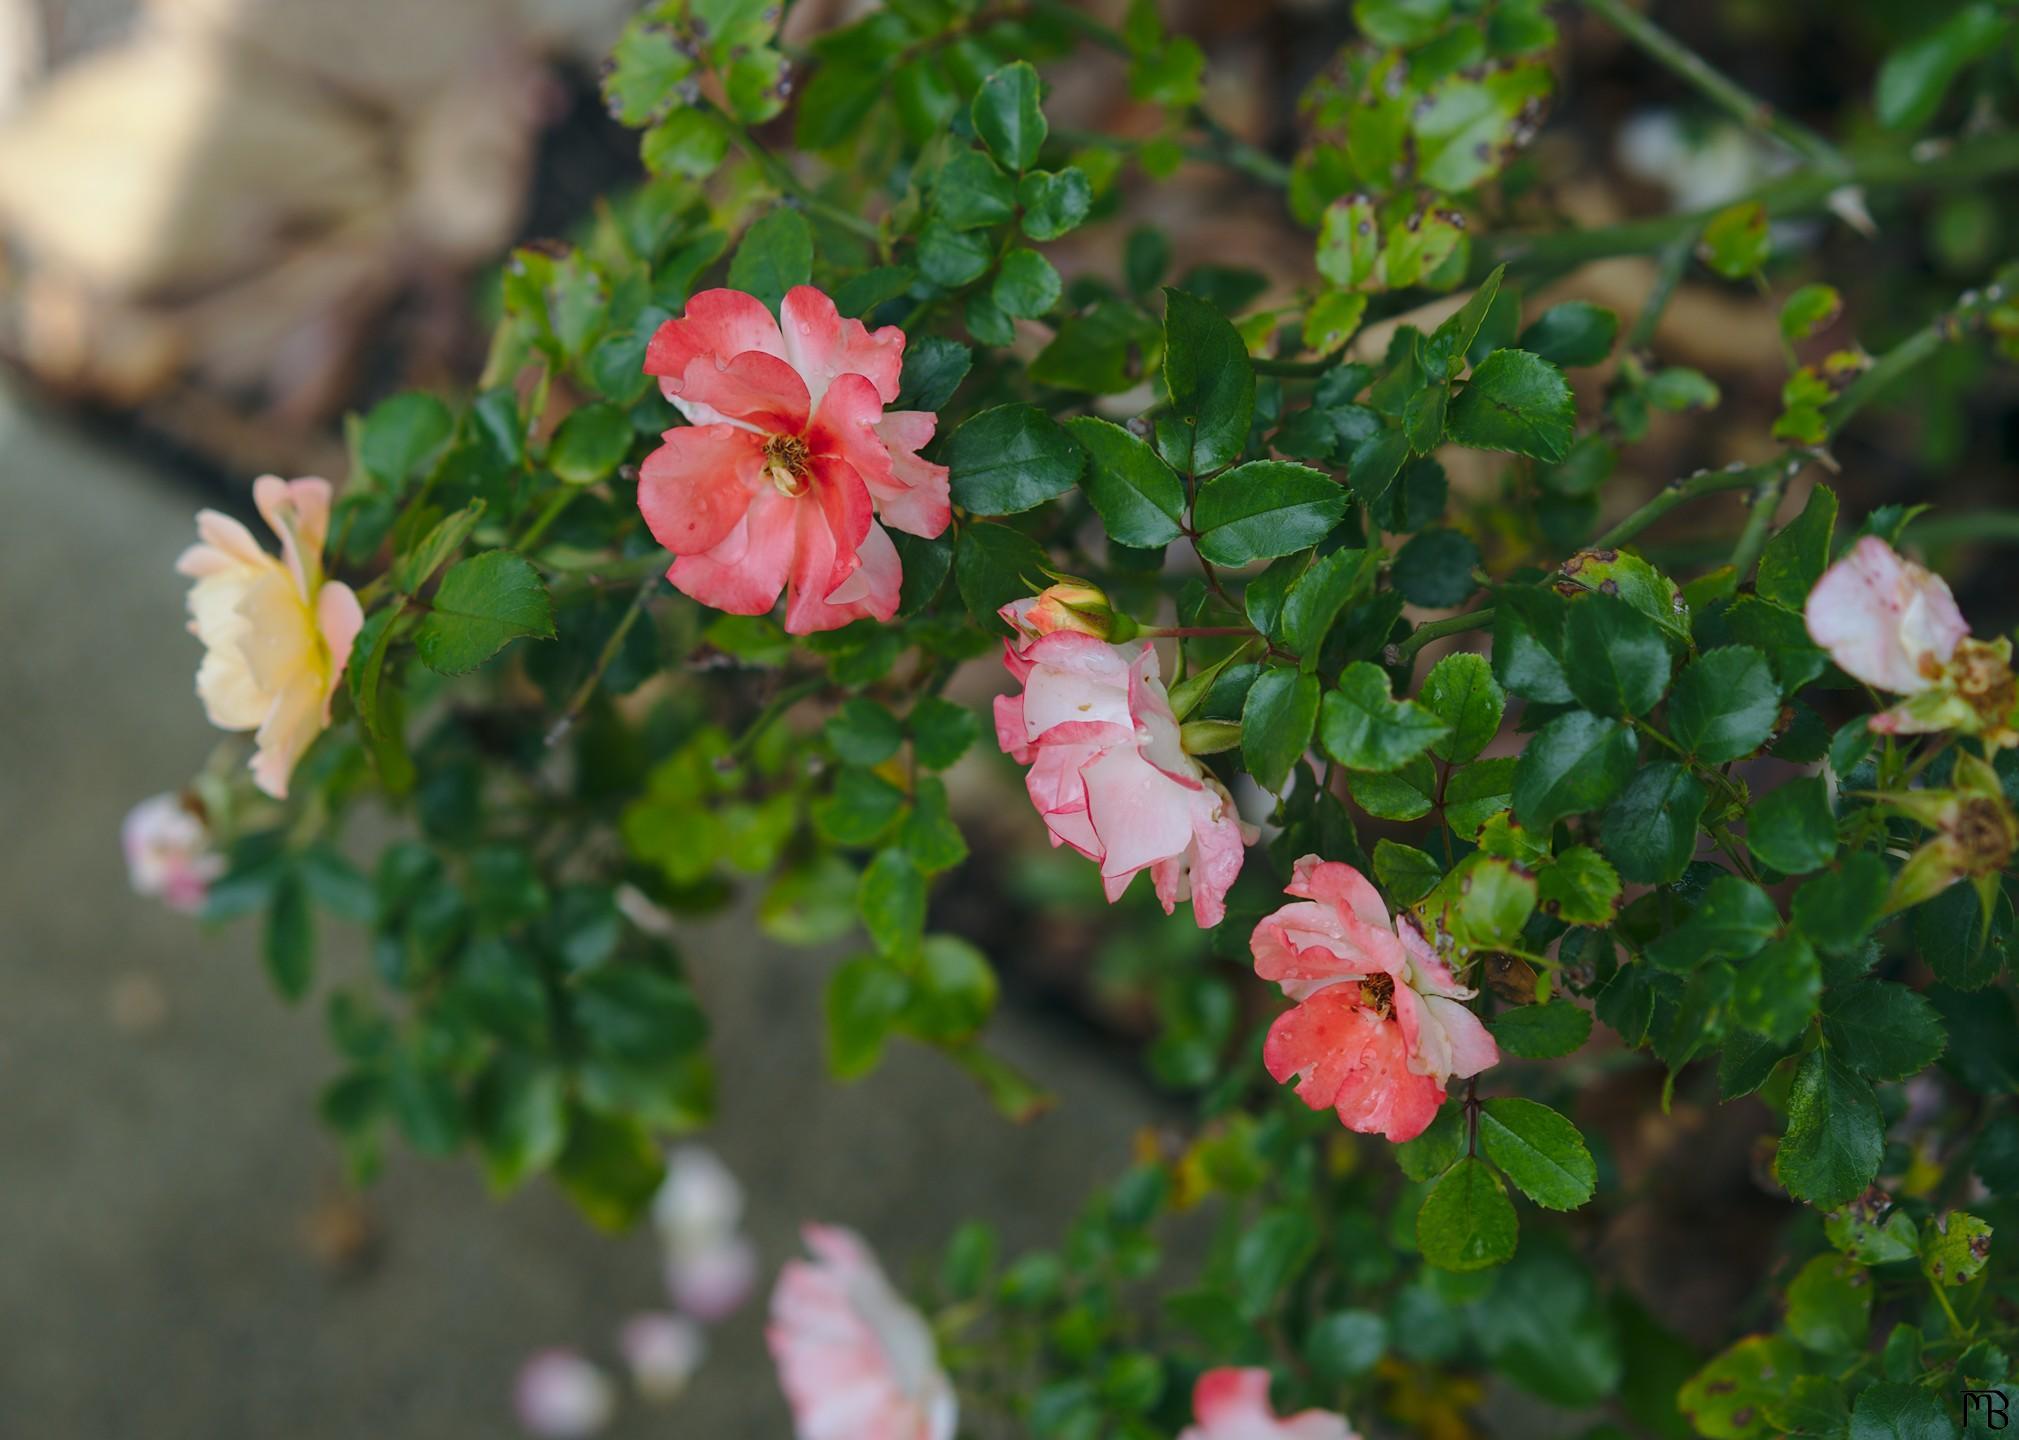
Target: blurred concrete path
(161, 1168)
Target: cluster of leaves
(1634, 816)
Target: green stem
(1677, 492)
(1718, 87)
(778, 704)
(560, 500)
(1760, 519)
(1988, 525)
(1405, 650)
(1674, 261)
(787, 180)
(1944, 329)
(604, 659)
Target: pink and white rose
(1380, 1025)
(662, 1351)
(276, 633)
(856, 1362)
(789, 468)
(169, 856)
(1884, 619)
(1233, 1404)
(710, 1266)
(1108, 769)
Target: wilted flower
(1380, 1026)
(788, 461)
(710, 1266)
(1108, 769)
(663, 1352)
(1233, 1404)
(276, 634)
(856, 1362)
(168, 852)
(1884, 619)
(1975, 835)
(562, 1396)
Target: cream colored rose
(276, 634)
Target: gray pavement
(178, 1259)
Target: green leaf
(1794, 559)
(1887, 1410)
(402, 438)
(1140, 501)
(1026, 285)
(1872, 1232)
(415, 569)
(1615, 657)
(951, 258)
(1955, 1248)
(1830, 1305)
(775, 254)
(1486, 902)
(1725, 704)
(971, 191)
(1211, 383)
(1467, 1222)
(1264, 509)
(1540, 1151)
(1006, 115)
(1542, 1032)
(891, 901)
(289, 948)
(930, 835)
(645, 70)
(1952, 934)
(1650, 831)
(1528, 627)
(1437, 1149)
(1884, 1031)
(933, 369)
(1406, 873)
(1316, 597)
(1346, 1344)
(864, 732)
(1460, 690)
(1573, 765)
(482, 605)
(1809, 309)
(941, 731)
(1579, 888)
(1736, 242)
(1364, 728)
(1268, 1256)
(1276, 723)
(1407, 794)
(1010, 459)
(1054, 204)
(1475, 793)
(1791, 829)
(590, 444)
(1576, 332)
(864, 999)
(1443, 352)
(1728, 1399)
(689, 142)
(1730, 920)
(610, 1167)
(1775, 992)
(519, 1114)
(994, 565)
(1835, 1137)
(1434, 569)
(1838, 908)
(860, 809)
(1516, 402)
(1915, 77)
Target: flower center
(1981, 831)
(785, 461)
(1377, 992)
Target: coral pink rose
(1108, 771)
(168, 852)
(788, 468)
(276, 634)
(1380, 1027)
(855, 1361)
(1885, 620)
(1232, 1404)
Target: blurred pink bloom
(710, 1267)
(168, 852)
(1108, 771)
(663, 1352)
(1231, 1404)
(856, 1362)
(1885, 620)
(276, 634)
(1380, 1026)
(562, 1396)
(788, 468)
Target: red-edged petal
(833, 521)
(916, 498)
(1319, 1043)
(823, 346)
(696, 487)
(754, 390)
(744, 574)
(1140, 813)
(720, 324)
(1335, 883)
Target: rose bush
(1342, 585)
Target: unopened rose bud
(1074, 604)
(1209, 737)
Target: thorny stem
(1720, 88)
(1760, 519)
(1678, 491)
(1406, 648)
